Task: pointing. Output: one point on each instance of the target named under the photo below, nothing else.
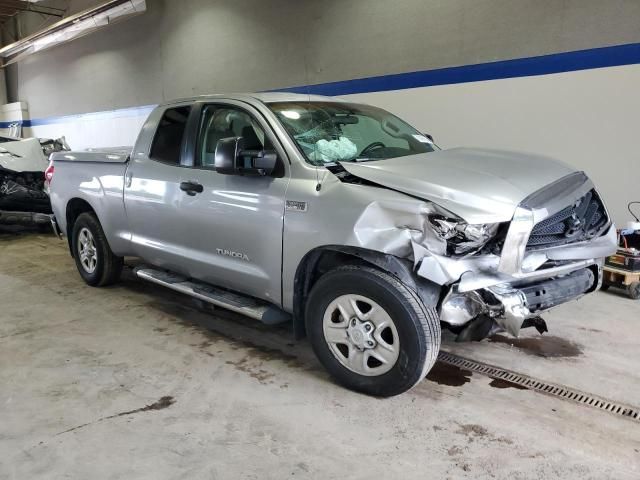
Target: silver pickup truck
(339, 217)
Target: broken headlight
(462, 237)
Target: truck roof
(265, 97)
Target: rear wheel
(370, 331)
(97, 264)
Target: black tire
(605, 287)
(633, 290)
(418, 328)
(108, 265)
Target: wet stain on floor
(164, 402)
(254, 371)
(472, 430)
(161, 404)
(477, 432)
(256, 357)
(452, 376)
(499, 383)
(445, 374)
(547, 346)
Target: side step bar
(235, 302)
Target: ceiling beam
(22, 6)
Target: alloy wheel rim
(87, 251)
(361, 335)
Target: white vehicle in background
(23, 161)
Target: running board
(219, 297)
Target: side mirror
(429, 136)
(232, 159)
(227, 151)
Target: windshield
(327, 132)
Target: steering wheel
(372, 146)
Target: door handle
(128, 178)
(191, 188)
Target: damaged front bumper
(510, 305)
(478, 286)
(552, 251)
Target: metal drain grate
(541, 386)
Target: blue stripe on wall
(523, 67)
(11, 124)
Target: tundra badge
(229, 253)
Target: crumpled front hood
(23, 155)
(479, 185)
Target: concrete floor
(133, 382)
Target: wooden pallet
(616, 277)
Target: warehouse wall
(589, 119)
(187, 47)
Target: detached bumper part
(24, 218)
(545, 295)
(514, 308)
(510, 305)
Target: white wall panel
(589, 119)
(94, 130)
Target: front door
(232, 228)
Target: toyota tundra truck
(340, 218)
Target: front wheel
(370, 331)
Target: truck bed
(94, 178)
(102, 155)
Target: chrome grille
(583, 220)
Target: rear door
(152, 193)
(232, 229)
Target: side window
(167, 143)
(220, 122)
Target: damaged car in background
(341, 218)
(23, 196)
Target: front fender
(327, 257)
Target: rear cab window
(169, 137)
